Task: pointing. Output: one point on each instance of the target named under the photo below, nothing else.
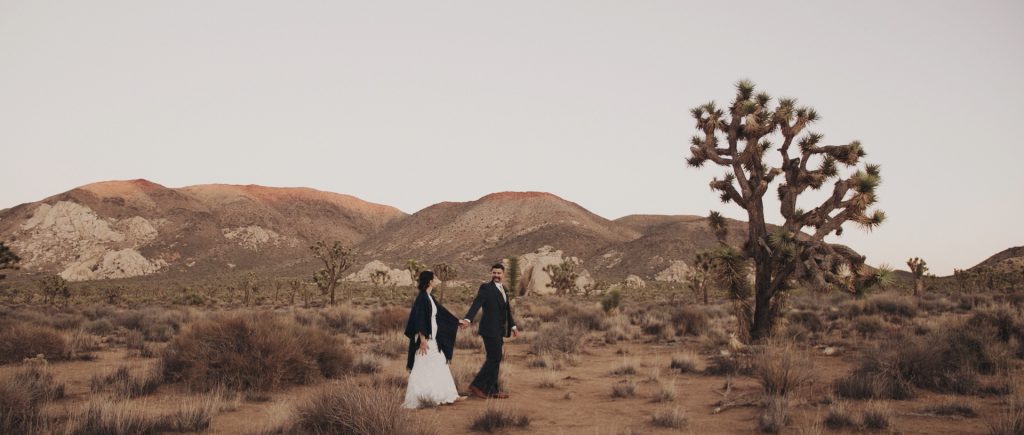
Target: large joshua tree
(739, 138)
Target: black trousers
(487, 378)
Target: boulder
(396, 276)
(534, 280)
(634, 282)
(676, 272)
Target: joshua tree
(8, 260)
(294, 286)
(513, 274)
(337, 259)
(918, 267)
(414, 267)
(700, 276)
(444, 272)
(53, 287)
(739, 138)
(380, 278)
(563, 276)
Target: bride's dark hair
(424, 281)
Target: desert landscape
(336, 218)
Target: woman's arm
(423, 344)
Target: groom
(495, 324)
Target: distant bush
(20, 340)
(561, 338)
(389, 319)
(611, 300)
(246, 352)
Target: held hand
(515, 333)
(423, 348)
(463, 324)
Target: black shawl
(419, 322)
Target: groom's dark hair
(498, 266)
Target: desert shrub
(193, 415)
(672, 419)
(1010, 420)
(19, 341)
(775, 415)
(626, 369)
(549, 380)
(611, 300)
(839, 417)
(623, 389)
(666, 392)
(868, 326)
(561, 338)
(782, 368)
(123, 384)
(104, 417)
(495, 418)
(689, 320)
(876, 416)
(730, 364)
(585, 318)
(134, 340)
(100, 327)
(686, 362)
(957, 409)
(347, 407)
(467, 340)
(795, 332)
(808, 319)
(81, 343)
(22, 396)
(249, 353)
(893, 305)
(1004, 320)
(343, 319)
(945, 360)
(388, 319)
(367, 363)
(155, 324)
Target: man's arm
(477, 303)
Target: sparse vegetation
(497, 418)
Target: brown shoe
(499, 396)
(478, 393)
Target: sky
(413, 103)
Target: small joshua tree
(445, 273)
(563, 276)
(380, 278)
(739, 138)
(336, 259)
(8, 260)
(699, 278)
(54, 287)
(919, 268)
(414, 267)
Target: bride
(431, 330)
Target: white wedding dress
(430, 379)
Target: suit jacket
(496, 320)
(419, 322)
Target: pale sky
(413, 103)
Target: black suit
(495, 324)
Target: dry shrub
(839, 417)
(105, 417)
(1010, 420)
(877, 416)
(100, 327)
(496, 418)
(673, 419)
(775, 415)
(549, 380)
(946, 360)
(810, 320)
(1004, 320)
(893, 305)
(81, 343)
(347, 407)
(686, 362)
(246, 352)
(689, 320)
(193, 415)
(134, 340)
(868, 326)
(623, 389)
(368, 363)
(20, 341)
(561, 338)
(388, 319)
(393, 345)
(343, 319)
(952, 408)
(782, 368)
(665, 393)
(626, 369)
(122, 384)
(155, 324)
(731, 364)
(22, 396)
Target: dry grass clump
(348, 407)
(626, 369)
(673, 419)
(689, 320)
(782, 368)
(877, 416)
(839, 417)
(246, 352)
(561, 338)
(946, 360)
(496, 418)
(729, 363)
(891, 304)
(388, 319)
(665, 392)
(810, 320)
(685, 362)
(104, 417)
(368, 363)
(155, 324)
(122, 384)
(775, 415)
(22, 397)
(1010, 420)
(952, 408)
(343, 319)
(868, 326)
(624, 389)
(24, 340)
